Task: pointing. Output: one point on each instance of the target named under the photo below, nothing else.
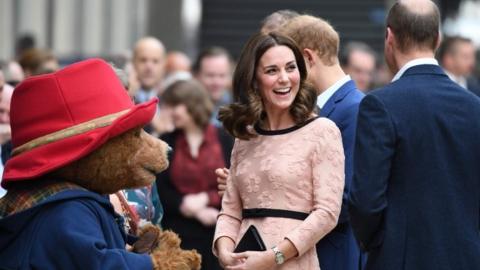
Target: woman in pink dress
(287, 165)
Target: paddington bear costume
(66, 120)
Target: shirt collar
(412, 63)
(327, 94)
(145, 95)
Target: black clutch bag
(251, 241)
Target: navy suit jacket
(415, 196)
(338, 249)
(473, 85)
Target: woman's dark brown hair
(247, 108)
(194, 96)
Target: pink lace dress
(299, 169)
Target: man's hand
(222, 175)
(207, 216)
(193, 203)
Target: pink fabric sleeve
(328, 182)
(230, 217)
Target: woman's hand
(227, 259)
(254, 260)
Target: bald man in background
(149, 65)
(177, 62)
(178, 67)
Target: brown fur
(164, 247)
(131, 160)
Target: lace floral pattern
(265, 200)
(253, 183)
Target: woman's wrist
(224, 244)
(269, 257)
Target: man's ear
(309, 56)
(439, 40)
(389, 37)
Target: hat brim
(49, 157)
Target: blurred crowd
(190, 92)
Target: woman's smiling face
(278, 78)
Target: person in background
(13, 73)
(149, 64)
(415, 196)
(177, 62)
(274, 21)
(37, 61)
(178, 67)
(287, 173)
(359, 61)
(6, 92)
(149, 67)
(213, 69)
(24, 43)
(457, 56)
(188, 189)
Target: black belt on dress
(267, 212)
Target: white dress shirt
(415, 62)
(327, 94)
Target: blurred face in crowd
(149, 62)
(461, 61)
(2, 80)
(278, 78)
(361, 66)
(5, 97)
(216, 75)
(176, 62)
(16, 73)
(180, 116)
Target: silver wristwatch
(279, 257)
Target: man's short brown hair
(414, 29)
(315, 34)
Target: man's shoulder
(355, 96)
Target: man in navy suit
(415, 196)
(338, 100)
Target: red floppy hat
(61, 117)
